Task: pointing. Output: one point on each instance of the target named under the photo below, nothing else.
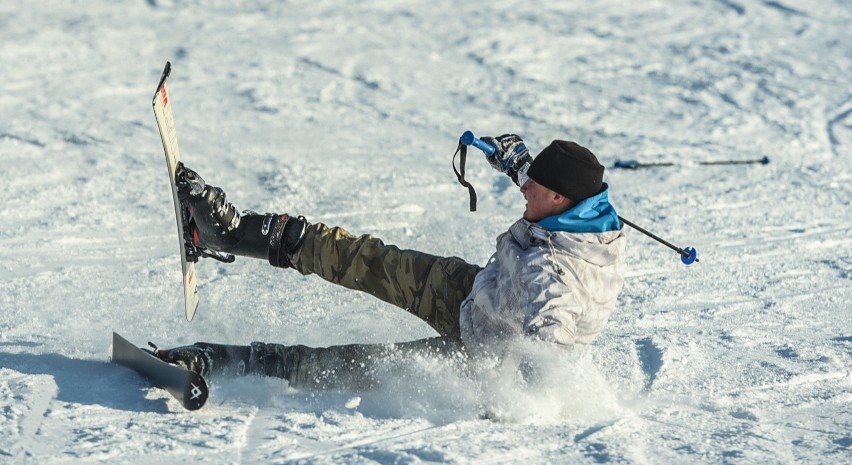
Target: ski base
(168, 135)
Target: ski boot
(217, 230)
(208, 359)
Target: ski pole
(762, 161)
(635, 165)
(688, 255)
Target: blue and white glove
(511, 157)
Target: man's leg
(353, 366)
(428, 286)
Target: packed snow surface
(349, 113)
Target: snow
(349, 113)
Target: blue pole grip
(469, 139)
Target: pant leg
(353, 366)
(428, 286)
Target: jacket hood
(592, 215)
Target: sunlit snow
(349, 113)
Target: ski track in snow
(349, 114)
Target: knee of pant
(267, 360)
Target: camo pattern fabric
(428, 286)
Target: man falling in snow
(555, 276)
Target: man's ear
(562, 202)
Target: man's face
(541, 201)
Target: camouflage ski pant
(425, 285)
(428, 286)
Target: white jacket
(556, 286)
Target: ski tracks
(333, 437)
(839, 128)
(27, 401)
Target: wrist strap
(462, 149)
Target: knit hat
(569, 169)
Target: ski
(635, 165)
(188, 387)
(188, 253)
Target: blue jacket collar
(592, 215)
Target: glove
(216, 224)
(511, 154)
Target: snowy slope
(348, 113)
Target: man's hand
(511, 154)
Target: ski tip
(166, 72)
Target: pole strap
(462, 150)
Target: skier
(555, 276)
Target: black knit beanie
(569, 169)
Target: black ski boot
(216, 225)
(209, 359)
